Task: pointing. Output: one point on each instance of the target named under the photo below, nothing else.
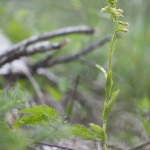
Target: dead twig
(37, 48)
(87, 49)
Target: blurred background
(128, 122)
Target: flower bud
(104, 9)
(120, 11)
(123, 30)
(123, 23)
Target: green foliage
(83, 132)
(40, 117)
(11, 139)
(134, 49)
(110, 104)
(102, 70)
(109, 83)
(36, 115)
(119, 26)
(51, 132)
(14, 98)
(110, 97)
(98, 130)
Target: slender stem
(111, 51)
(112, 47)
(115, 14)
(105, 139)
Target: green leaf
(46, 111)
(29, 120)
(12, 98)
(83, 132)
(113, 99)
(10, 140)
(102, 70)
(38, 114)
(97, 129)
(110, 104)
(109, 84)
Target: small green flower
(124, 30)
(123, 23)
(105, 9)
(117, 12)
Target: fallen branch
(37, 48)
(57, 33)
(89, 48)
(46, 36)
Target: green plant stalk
(109, 96)
(104, 142)
(111, 51)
